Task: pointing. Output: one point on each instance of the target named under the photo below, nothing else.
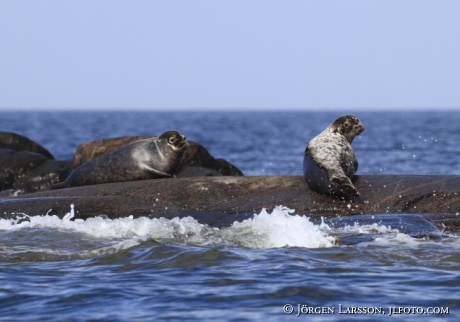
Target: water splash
(279, 229)
(99, 235)
(265, 230)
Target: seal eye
(172, 140)
(357, 120)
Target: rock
(196, 155)
(227, 169)
(29, 171)
(219, 201)
(194, 171)
(15, 165)
(20, 159)
(18, 143)
(46, 174)
(10, 193)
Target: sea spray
(279, 229)
(266, 230)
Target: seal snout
(182, 145)
(359, 128)
(178, 142)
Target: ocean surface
(277, 266)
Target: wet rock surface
(218, 201)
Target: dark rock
(227, 169)
(16, 165)
(219, 201)
(195, 171)
(16, 142)
(198, 155)
(46, 174)
(10, 193)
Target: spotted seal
(329, 163)
(152, 158)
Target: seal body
(152, 158)
(329, 162)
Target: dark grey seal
(152, 158)
(329, 163)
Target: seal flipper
(159, 173)
(330, 182)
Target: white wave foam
(265, 230)
(369, 229)
(279, 229)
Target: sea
(275, 266)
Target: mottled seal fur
(152, 158)
(329, 162)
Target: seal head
(329, 162)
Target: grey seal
(158, 157)
(329, 163)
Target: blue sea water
(158, 270)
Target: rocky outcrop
(27, 166)
(46, 174)
(219, 201)
(29, 171)
(16, 142)
(198, 156)
(14, 165)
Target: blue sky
(215, 54)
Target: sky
(235, 54)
